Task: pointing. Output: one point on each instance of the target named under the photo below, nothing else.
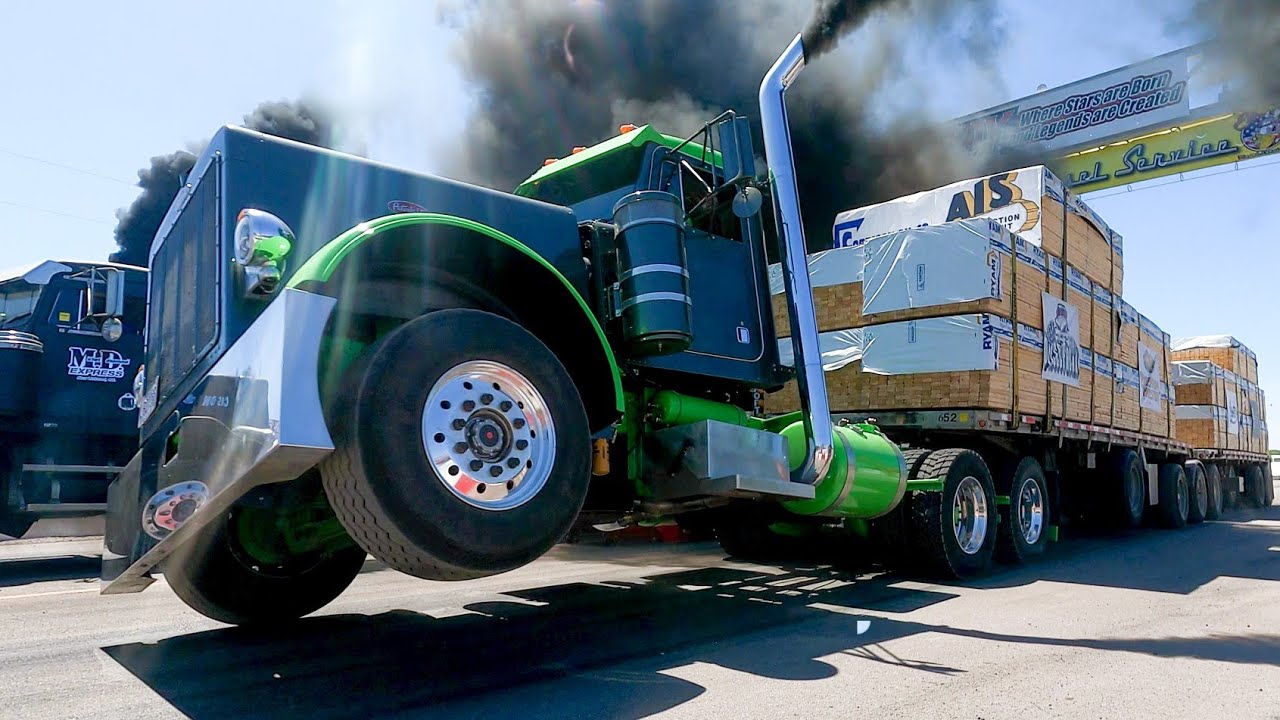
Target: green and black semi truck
(346, 358)
(70, 340)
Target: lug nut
(522, 444)
(505, 405)
(469, 405)
(459, 423)
(513, 463)
(495, 470)
(517, 423)
(486, 398)
(476, 466)
(460, 447)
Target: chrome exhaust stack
(795, 268)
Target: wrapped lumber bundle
(1218, 409)
(1031, 202)
(1224, 351)
(960, 361)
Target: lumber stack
(966, 314)
(1219, 403)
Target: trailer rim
(1030, 512)
(969, 515)
(489, 435)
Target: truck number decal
(948, 417)
(216, 401)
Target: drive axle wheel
(240, 571)
(462, 448)
(1026, 528)
(954, 531)
(1130, 490)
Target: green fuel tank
(867, 478)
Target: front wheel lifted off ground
(1024, 531)
(462, 448)
(953, 531)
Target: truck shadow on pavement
(25, 571)
(616, 650)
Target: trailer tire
(399, 500)
(1269, 484)
(218, 580)
(1197, 493)
(1213, 486)
(888, 534)
(1024, 531)
(1174, 499)
(942, 544)
(1130, 490)
(1255, 492)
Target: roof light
(626, 128)
(579, 149)
(550, 161)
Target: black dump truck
(70, 343)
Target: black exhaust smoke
(137, 225)
(550, 75)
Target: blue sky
(92, 90)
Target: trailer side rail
(994, 421)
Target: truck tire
(953, 532)
(1197, 493)
(1024, 531)
(462, 448)
(744, 533)
(215, 576)
(1255, 491)
(1173, 496)
(1213, 484)
(1268, 484)
(1130, 490)
(888, 534)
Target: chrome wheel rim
(1031, 511)
(969, 515)
(488, 435)
(1202, 496)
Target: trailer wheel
(953, 532)
(1213, 486)
(218, 577)
(1130, 490)
(462, 448)
(1197, 492)
(1255, 492)
(1025, 520)
(1173, 496)
(888, 534)
(1268, 484)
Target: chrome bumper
(254, 419)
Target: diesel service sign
(1148, 94)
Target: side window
(77, 299)
(712, 215)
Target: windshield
(17, 302)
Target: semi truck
(70, 338)
(344, 358)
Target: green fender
(322, 264)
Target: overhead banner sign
(1149, 94)
(1222, 140)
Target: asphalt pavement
(1151, 624)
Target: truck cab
(70, 342)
